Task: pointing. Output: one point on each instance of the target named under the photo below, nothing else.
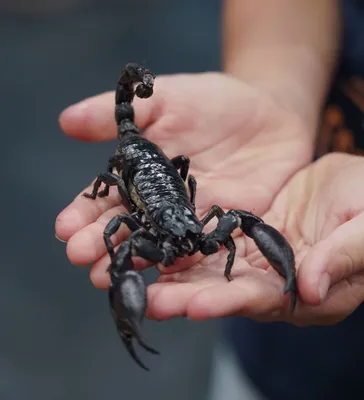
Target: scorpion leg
(215, 211)
(113, 160)
(210, 242)
(127, 292)
(182, 163)
(148, 250)
(111, 179)
(192, 184)
(113, 226)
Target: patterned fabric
(342, 127)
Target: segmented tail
(125, 92)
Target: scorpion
(159, 196)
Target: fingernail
(61, 240)
(324, 285)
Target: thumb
(337, 257)
(93, 119)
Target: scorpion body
(159, 196)
(148, 192)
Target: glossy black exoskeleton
(162, 215)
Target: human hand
(321, 213)
(243, 148)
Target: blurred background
(57, 338)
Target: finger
(83, 211)
(99, 275)
(258, 293)
(170, 299)
(339, 256)
(87, 245)
(152, 291)
(342, 299)
(93, 119)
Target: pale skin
(247, 140)
(322, 218)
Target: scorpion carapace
(162, 217)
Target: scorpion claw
(129, 346)
(127, 340)
(147, 347)
(127, 298)
(279, 254)
(290, 286)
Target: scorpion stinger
(162, 217)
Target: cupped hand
(321, 213)
(243, 148)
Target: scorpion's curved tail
(125, 92)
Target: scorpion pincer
(161, 215)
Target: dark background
(57, 338)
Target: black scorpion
(162, 217)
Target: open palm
(323, 220)
(243, 148)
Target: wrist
(286, 48)
(295, 78)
